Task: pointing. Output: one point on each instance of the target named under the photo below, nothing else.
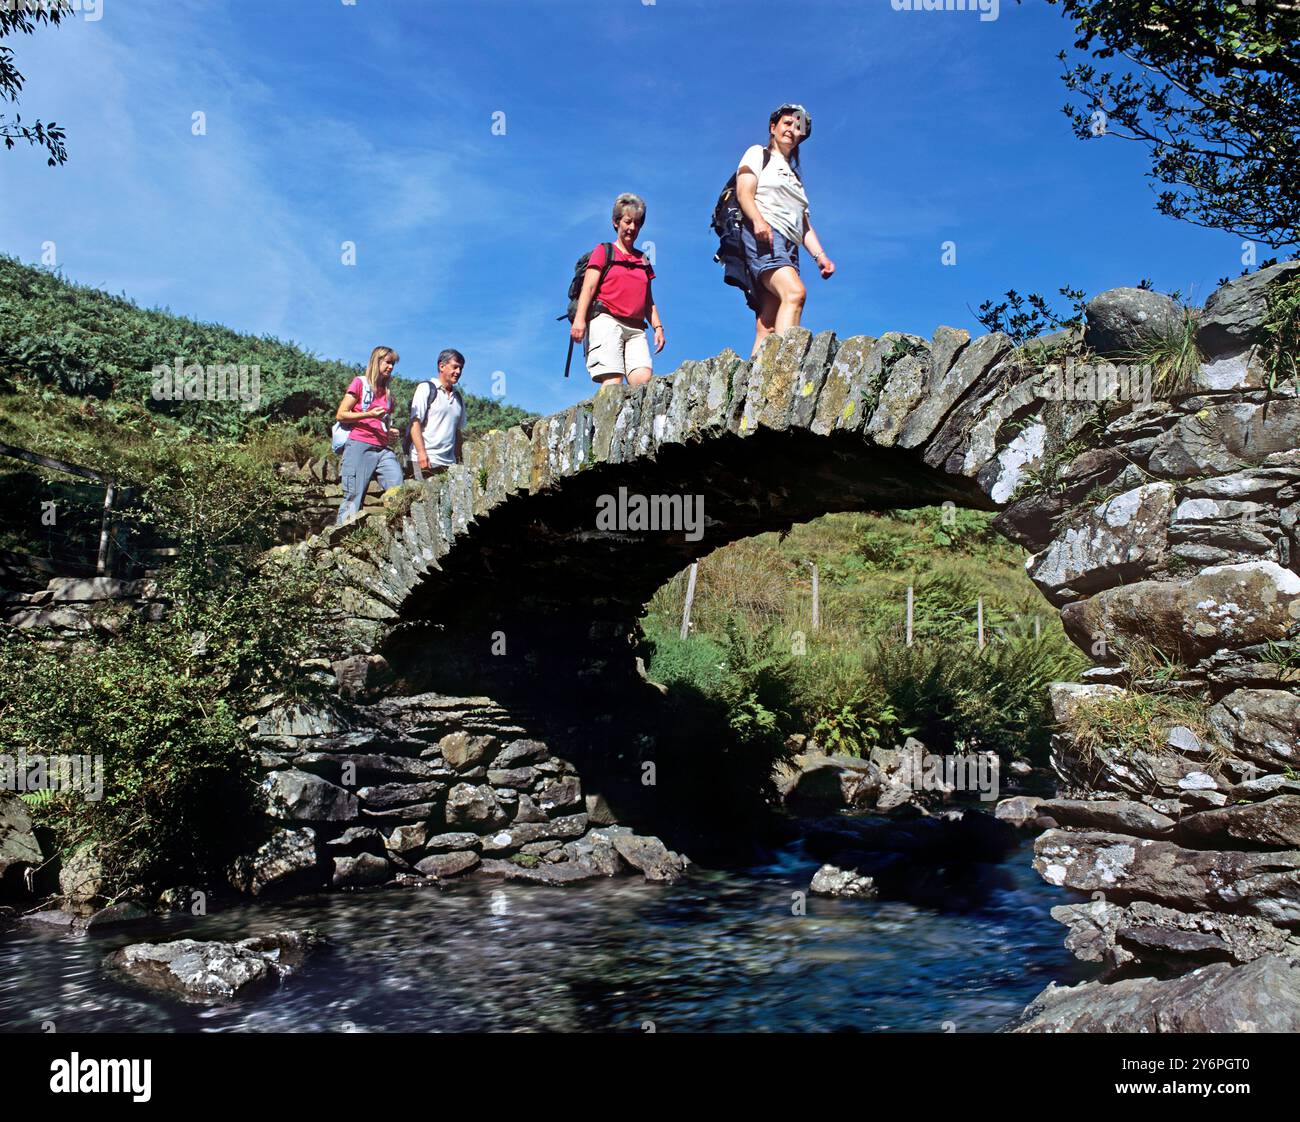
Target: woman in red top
(611, 323)
(367, 453)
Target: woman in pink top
(365, 410)
(611, 324)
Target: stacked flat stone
(419, 789)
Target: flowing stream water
(722, 951)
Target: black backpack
(575, 288)
(728, 219)
(727, 215)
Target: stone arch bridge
(1172, 520)
(517, 541)
(1166, 524)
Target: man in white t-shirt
(438, 418)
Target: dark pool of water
(722, 952)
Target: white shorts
(614, 347)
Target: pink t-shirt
(624, 291)
(371, 430)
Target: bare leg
(640, 376)
(765, 321)
(785, 283)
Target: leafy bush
(843, 705)
(163, 701)
(1282, 335)
(1023, 318)
(747, 673)
(694, 663)
(755, 685)
(953, 696)
(179, 778)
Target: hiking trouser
(362, 462)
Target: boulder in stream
(830, 881)
(212, 973)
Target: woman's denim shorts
(784, 252)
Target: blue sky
(373, 123)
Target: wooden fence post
(909, 615)
(690, 598)
(101, 560)
(816, 597)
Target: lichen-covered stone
(1221, 606)
(848, 393)
(1119, 540)
(943, 391)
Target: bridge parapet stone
(678, 408)
(417, 551)
(1017, 398)
(460, 482)
(709, 395)
(517, 462)
(604, 415)
(946, 345)
(426, 509)
(902, 387)
(442, 512)
(944, 390)
(475, 459)
(1008, 388)
(578, 445)
(539, 471)
(737, 389)
(402, 571)
(653, 407)
(560, 444)
(809, 380)
(622, 447)
(771, 385)
(840, 403)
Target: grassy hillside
(82, 342)
(76, 384)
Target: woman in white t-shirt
(772, 199)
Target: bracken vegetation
(853, 683)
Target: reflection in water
(722, 952)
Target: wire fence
(704, 596)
